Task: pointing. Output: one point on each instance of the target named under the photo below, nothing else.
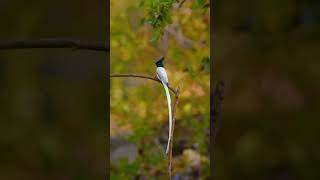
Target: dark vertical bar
(211, 91)
(216, 98)
(108, 88)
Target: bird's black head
(159, 63)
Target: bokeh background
(267, 52)
(53, 102)
(138, 107)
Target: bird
(163, 77)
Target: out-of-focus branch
(181, 3)
(55, 43)
(142, 76)
(174, 30)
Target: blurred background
(267, 52)
(138, 107)
(53, 102)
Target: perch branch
(142, 76)
(171, 139)
(55, 43)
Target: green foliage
(158, 13)
(201, 4)
(131, 170)
(205, 64)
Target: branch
(181, 3)
(55, 43)
(144, 77)
(171, 139)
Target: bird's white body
(163, 77)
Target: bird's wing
(162, 75)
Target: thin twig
(55, 43)
(171, 139)
(181, 3)
(144, 77)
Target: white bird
(163, 77)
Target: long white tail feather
(170, 115)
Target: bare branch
(181, 3)
(144, 77)
(55, 43)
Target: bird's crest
(159, 63)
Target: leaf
(205, 64)
(156, 35)
(142, 21)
